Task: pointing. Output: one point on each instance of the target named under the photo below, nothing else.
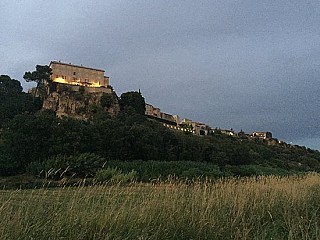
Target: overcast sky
(241, 64)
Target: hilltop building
(173, 121)
(74, 90)
(93, 80)
(168, 120)
(228, 132)
(261, 135)
(154, 112)
(198, 128)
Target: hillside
(34, 142)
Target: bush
(115, 175)
(148, 170)
(63, 88)
(255, 170)
(80, 110)
(37, 169)
(83, 165)
(106, 100)
(106, 174)
(192, 173)
(82, 89)
(78, 96)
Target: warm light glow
(96, 84)
(77, 83)
(59, 80)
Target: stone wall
(77, 75)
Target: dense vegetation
(36, 142)
(13, 101)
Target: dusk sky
(251, 65)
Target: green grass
(247, 208)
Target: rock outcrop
(81, 103)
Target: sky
(242, 64)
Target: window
(74, 73)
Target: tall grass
(247, 208)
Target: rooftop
(72, 65)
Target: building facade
(261, 135)
(197, 128)
(78, 75)
(152, 111)
(155, 112)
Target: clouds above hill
(247, 65)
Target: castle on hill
(93, 80)
(75, 91)
(94, 83)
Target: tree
(134, 100)
(41, 75)
(24, 139)
(12, 100)
(9, 86)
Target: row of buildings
(174, 122)
(187, 125)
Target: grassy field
(250, 208)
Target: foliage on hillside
(41, 137)
(30, 140)
(13, 101)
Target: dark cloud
(247, 65)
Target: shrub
(37, 168)
(63, 88)
(115, 175)
(148, 170)
(80, 110)
(82, 89)
(192, 173)
(83, 165)
(78, 96)
(106, 100)
(106, 174)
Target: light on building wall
(77, 83)
(95, 84)
(59, 80)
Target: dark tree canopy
(9, 86)
(134, 100)
(40, 76)
(42, 73)
(12, 100)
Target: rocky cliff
(81, 103)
